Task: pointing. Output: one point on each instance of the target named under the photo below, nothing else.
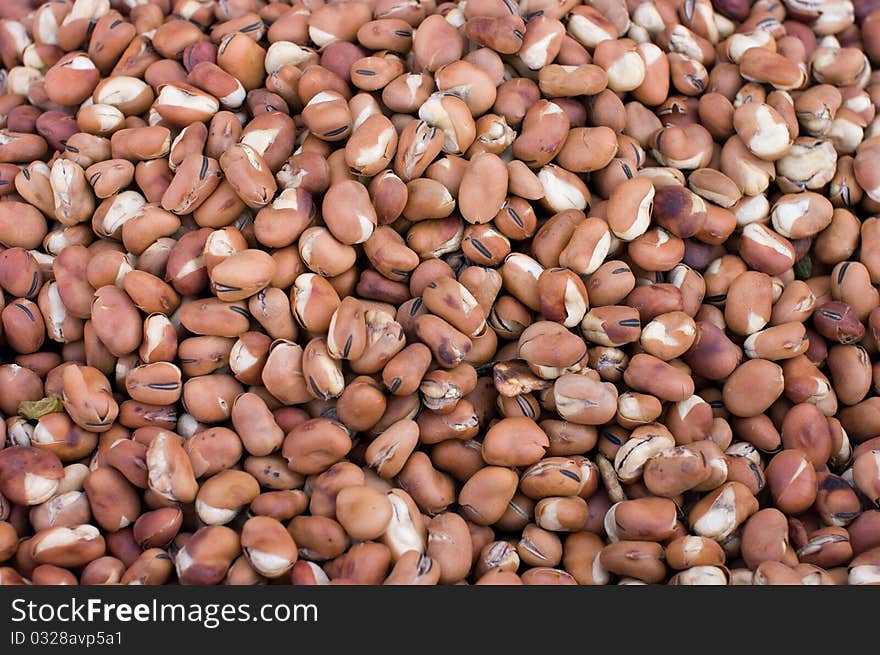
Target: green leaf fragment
(34, 409)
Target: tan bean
(315, 445)
(87, 398)
(485, 495)
(170, 470)
(113, 500)
(67, 547)
(30, 476)
(209, 398)
(270, 549)
(792, 481)
(156, 529)
(639, 559)
(740, 389)
(363, 512)
(207, 555)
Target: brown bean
(484, 496)
(315, 445)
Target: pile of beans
(408, 292)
